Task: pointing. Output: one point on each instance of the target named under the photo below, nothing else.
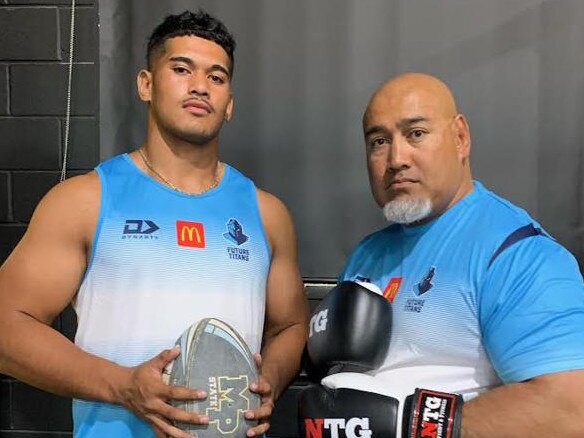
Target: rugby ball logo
(214, 357)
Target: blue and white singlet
(160, 261)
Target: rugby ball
(215, 358)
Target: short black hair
(198, 23)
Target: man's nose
(398, 156)
(199, 84)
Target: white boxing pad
(368, 383)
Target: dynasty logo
(190, 234)
(140, 229)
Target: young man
(149, 243)
(485, 304)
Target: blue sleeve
(532, 310)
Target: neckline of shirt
(468, 199)
(218, 187)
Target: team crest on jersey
(422, 287)
(235, 233)
(140, 229)
(426, 283)
(236, 236)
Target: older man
(485, 303)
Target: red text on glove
(354, 427)
(431, 417)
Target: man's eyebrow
(374, 130)
(219, 67)
(401, 124)
(184, 59)
(191, 63)
(411, 121)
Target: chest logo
(138, 226)
(237, 237)
(190, 234)
(140, 229)
(392, 288)
(235, 233)
(426, 283)
(417, 304)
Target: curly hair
(198, 23)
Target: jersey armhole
(100, 217)
(261, 222)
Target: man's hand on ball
(147, 396)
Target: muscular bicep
(43, 272)
(285, 300)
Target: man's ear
(144, 84)
(462, 136)
(229, 110)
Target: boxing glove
(338, 413)
(350, 330)
(369, 409)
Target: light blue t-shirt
(481, 295)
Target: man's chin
(407, 210)
(198, 137)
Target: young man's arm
(37, 281)
(286, 319)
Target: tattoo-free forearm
(35, 353)
(548, 406)
(281, 356)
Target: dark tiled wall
(34, 52)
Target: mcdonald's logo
(190, 234)
(392, 288)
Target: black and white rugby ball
(215, 358)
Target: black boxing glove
(366, 400)
(350, 330)
(337, 413)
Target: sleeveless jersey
(160, 261)
(476, 300)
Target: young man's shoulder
(276, 219)
(72, 206)
(80, 188)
